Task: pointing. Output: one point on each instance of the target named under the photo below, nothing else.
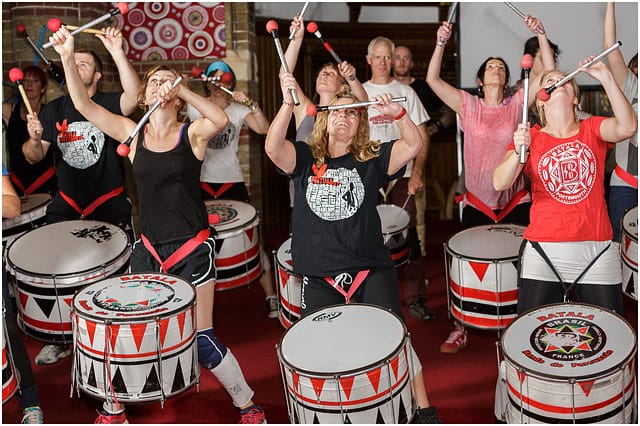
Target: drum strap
(626, 176)
(359, 279)
(48, 174)
(94, 204)
(385, 193)
(216, 194)
(567, 290)
(179, 254)
(477, 203)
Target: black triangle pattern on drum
(194, 367)
(46, 305)
(91, 380)
(315, 419)
(515, 264)
(379, 418)
(218, 246)
(402, 412)
(630, 289)
(118, 382)
(152, 384)
(178, 380)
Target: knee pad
(210, 351)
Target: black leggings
(535, 293)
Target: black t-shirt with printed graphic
(87, 163)
(336, 226)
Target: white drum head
(134, 297)
(32, 207)
(67, 248)
(233, 214)
(565, 341)
(630, 223)
(487, 242)
(393, 218)
(342, 338)
(284, 256)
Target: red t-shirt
(567, 186)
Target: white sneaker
(272, 306)
(32, 415)
(50, 354)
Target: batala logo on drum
(226, 213)
(327, 316)
(507, 230)
(568, 337)
(99, 233)
(139, 296)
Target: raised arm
(129, 79)
(213, 119)
(410, 143)
(256, 120)
(546, 54)
(293, 49)
(280, 150)
(449, 94)
(505, 175)
(348, 72)
(616, 60)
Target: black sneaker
(418, 310)
(427, 415)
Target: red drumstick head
(543, 95)
(123, 7)
(21, 29)
(123, 150)
(196, 71)
(15, 74)
(526, 61)
(272, 25)
(312, 110)
(312, 27)
(226, 77)
(54, 24)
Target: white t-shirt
(383, 128)
(221, 164)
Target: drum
(481, 264)
(52, 262)
(237, 243)
(337, 369)
(629, 253)
(9, 376)
(289, 286)
(33, 212)
(570, 363)
(134, 338)
(395, 231)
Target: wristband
(399, 116)
(287, 103)
(439, 43)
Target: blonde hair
(540, 107)
(361, 146)
(143, 88)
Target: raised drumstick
(224, 78)
(526, 63)
(54, 70)
(272, 28)
(54, 25)
(16, 76)
(312, 27)
(304, 8)
(522, 15)
(313, 109)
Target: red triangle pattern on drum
(394, 365)
(249, 233)
(164, 327)
(181, 319)
(68, 301)
(138, 330)
(114, 330)
(480, 269)
(317, 384)
(627, 243)
(347, 384)
(521, 376)
(284, 277)
(586, 387)
(296, 380)
(91, 330)
(23, 299)
(374, 378)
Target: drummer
(28, 399)
(337, 243)
(568, 254)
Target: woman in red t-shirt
(567, 252)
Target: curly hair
(143, 88)
(361, 146)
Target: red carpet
(460, 385)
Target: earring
(480, 91)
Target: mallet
(312, 27)
(54, 70)
(313, 109)
(54, 25)
(272, 28)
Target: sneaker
(253, 415)
(50, 354)
(456, 341)
(32, 415)
(420, 311)
(427, 415)
(106, 417)
(272, 306)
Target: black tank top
(170, 205)
(27, 173)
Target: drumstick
(526, 62)
(545, 94)
(406, 201)
(54, 25)
(312, 27)
(522, 15)
(313, 109)
(304, 8)
(272, 28)
(122, 8)
(54, 70)
(123, 149)
(225, 78)
(16, 75)
(452, 10)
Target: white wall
(493, 29)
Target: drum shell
(395, 231)
(237, 237)
(629, 253)
(289, 286)
(377, 392)
(9, 376)
(33, 213)
(591, 382)
(147, 359)
(483, 291)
